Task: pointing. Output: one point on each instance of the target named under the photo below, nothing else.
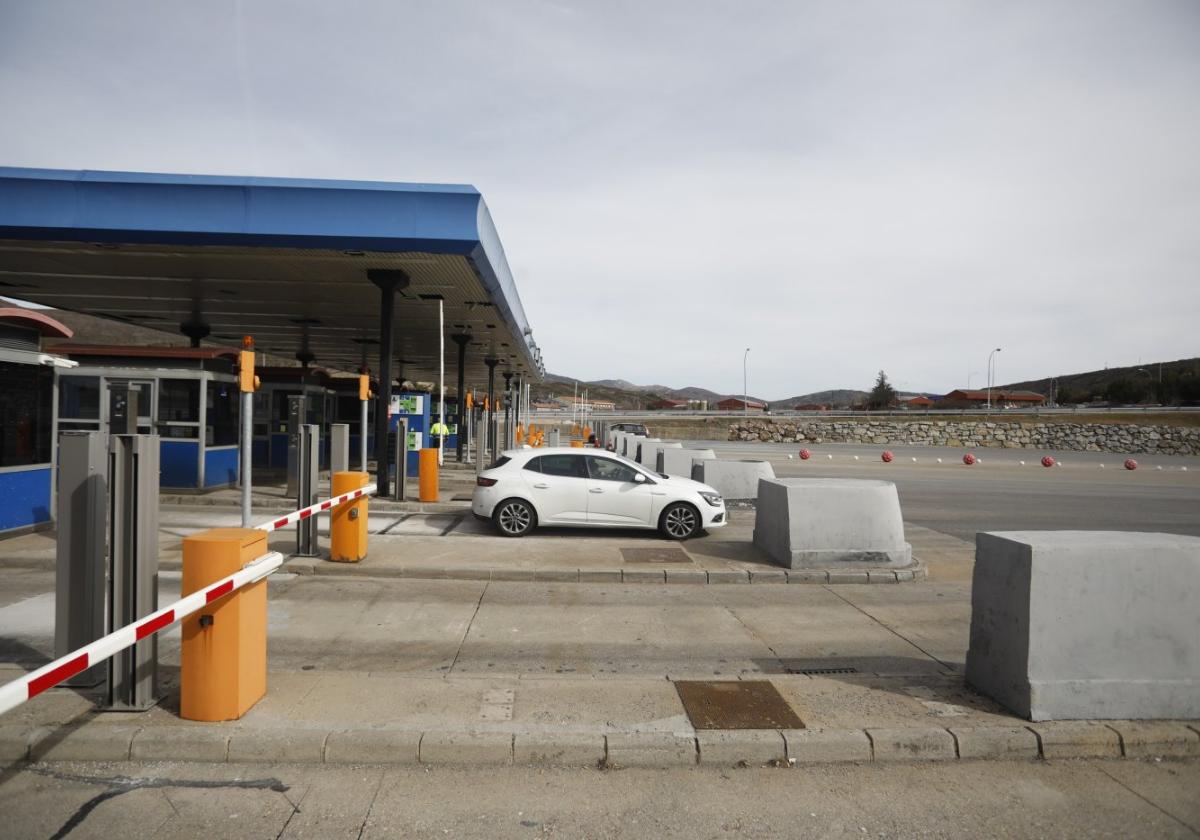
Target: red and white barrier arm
(19, 690)
(319, 507)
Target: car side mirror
(639, 478)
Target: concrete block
(679, 461)
(1077, 740)
(181, 743)
(1148, 740)
(805, 523)
(912, 744)
(15, 741)
(728, 576)
(643, 575)
(904, 575)
(746, 747)
(1003, 742)
(819, 746)
(686, 576)
(881, 576)
(557, 575)
(513, 574)
(1087, 624)
(562, 749)
(301, 745)
(473, 748)
(658, 453)
(90, 742)
(768, 576)
(646, 453)
(373, 746)
(735, 480)
(849, 577)
(599, 575)
(807, 576)
(651, 749)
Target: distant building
(586, 405)
(919, 401)
(963, 397)
(810, 407)
(738, 404)
(669, 404)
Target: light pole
(991, 373)
(745, 387)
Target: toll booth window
(568, 466)
(314, 409)
(261, 404)
(279, 409)
(221, 414)
(26, 414)
(179, 401)
(79, 397)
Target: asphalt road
(999, 494)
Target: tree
(883, 395)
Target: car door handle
(542, 486)
(596, 490)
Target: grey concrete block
(646, 452)
(904, 575)
(1077, 740)
(881, 577)
(651, 749)
(912, 744)
(748, 747)
(373, 746)
(557, 575)
(686, 576)
(513, 574)
(466, 574)
(768, 576)
(562, 749)
(805, 523)
(849, 577)
(807, 576)
(728, 576)
(1045, 637)
(599, 575)
(181, 743)
(679, 461)
(471, 748)
(819, 746)
(15, 741)
(1148, 740)
(307, 745)
(90, 742)
(738, 480)
(643, 575)
(1003, 742)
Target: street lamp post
(991, 373)
(745, 386)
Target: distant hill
(625, 394)
(1168, 383)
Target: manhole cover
(736, 704)
(670, 554)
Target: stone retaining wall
(1080, 437)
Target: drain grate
(736, 704)
(670, 554)
(819, 671)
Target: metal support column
(462, 340)
(247, 455)
(309, 464)
(389, 282)
(296, 414)
(509, 440)
(490, 437)
(79, 586)
(133, 566)
(363, 432)
(401, 455)
(339, 448)
(481, 442)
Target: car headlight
(713, 499)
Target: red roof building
(998, 397)
(738, 404)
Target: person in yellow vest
(438, 431)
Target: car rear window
(499, 462)
(534, 464)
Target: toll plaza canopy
(298, 264)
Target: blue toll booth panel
(414, 408)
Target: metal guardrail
(675, 413)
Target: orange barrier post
(576, 443)
(348, 522)
(427, 466)
(223, 659)
(520, 434)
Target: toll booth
(413, 408)
(188, 396)
(27, 439)
(271, 411)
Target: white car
(592, 488)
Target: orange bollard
(427, 471)
(348, 521)
(576, 443)
(223, 659)
(520, 435)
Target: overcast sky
(841, 186)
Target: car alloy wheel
(680, 521)
(514, 518)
